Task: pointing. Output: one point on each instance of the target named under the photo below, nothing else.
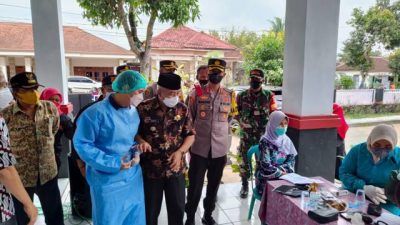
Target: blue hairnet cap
(128, 82)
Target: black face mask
(215, 78)
(203, 82)
(255, 84)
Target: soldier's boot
(244, 192)
(208, 220)
(190, 220)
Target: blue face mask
(280, 131)
(380, 152)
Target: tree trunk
(363, 79)
(145, 67)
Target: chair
(254, 150)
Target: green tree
(244, 40)
(346, 82)
(128, 13)
(357, 49)
(277, 25)
(357, 54)
(268, 56)
(394, 65)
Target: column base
(315, 140)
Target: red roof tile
(380, 65)
(186, 38)
(18, 37)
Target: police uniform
(211, 113)
(167, 66)
(253, 113)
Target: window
(73, 79)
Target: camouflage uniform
(254, 110)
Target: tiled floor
(230, 209)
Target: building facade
(85, 54)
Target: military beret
(257, 73)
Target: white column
(28, 64)
(68, 67)
(120, 62)
(3, 68)
(11, 65)
(49, 44)
(310, 56)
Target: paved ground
(230, 208)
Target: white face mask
(137, 99)
(5, 97)
(171, 102)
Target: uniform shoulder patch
(228, 90)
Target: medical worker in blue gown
(103, 139)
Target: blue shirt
(358, 169)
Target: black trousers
(340, 152)
(197, 170)
(50, 199)
(174, 188)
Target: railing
(355, 97)
(391, 97)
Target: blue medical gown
(103, 136)
(358, 169)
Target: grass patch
(369, 115)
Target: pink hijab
(47, 93)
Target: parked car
(82, 84)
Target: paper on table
(389, 219)
(295, 178)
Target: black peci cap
(170, 81)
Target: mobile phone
(346, 216)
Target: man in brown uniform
(211, 113)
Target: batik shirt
(272, 164)
(6, 159)
(32, 142)
(165, 131)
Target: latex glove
(356, 219)
(377, 195)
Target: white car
(82, 84)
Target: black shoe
(208, 220)
(244, 192)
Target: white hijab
(282, 142)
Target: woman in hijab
(341, 135)
(66, 125)
(368, 166)
(277, 152)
